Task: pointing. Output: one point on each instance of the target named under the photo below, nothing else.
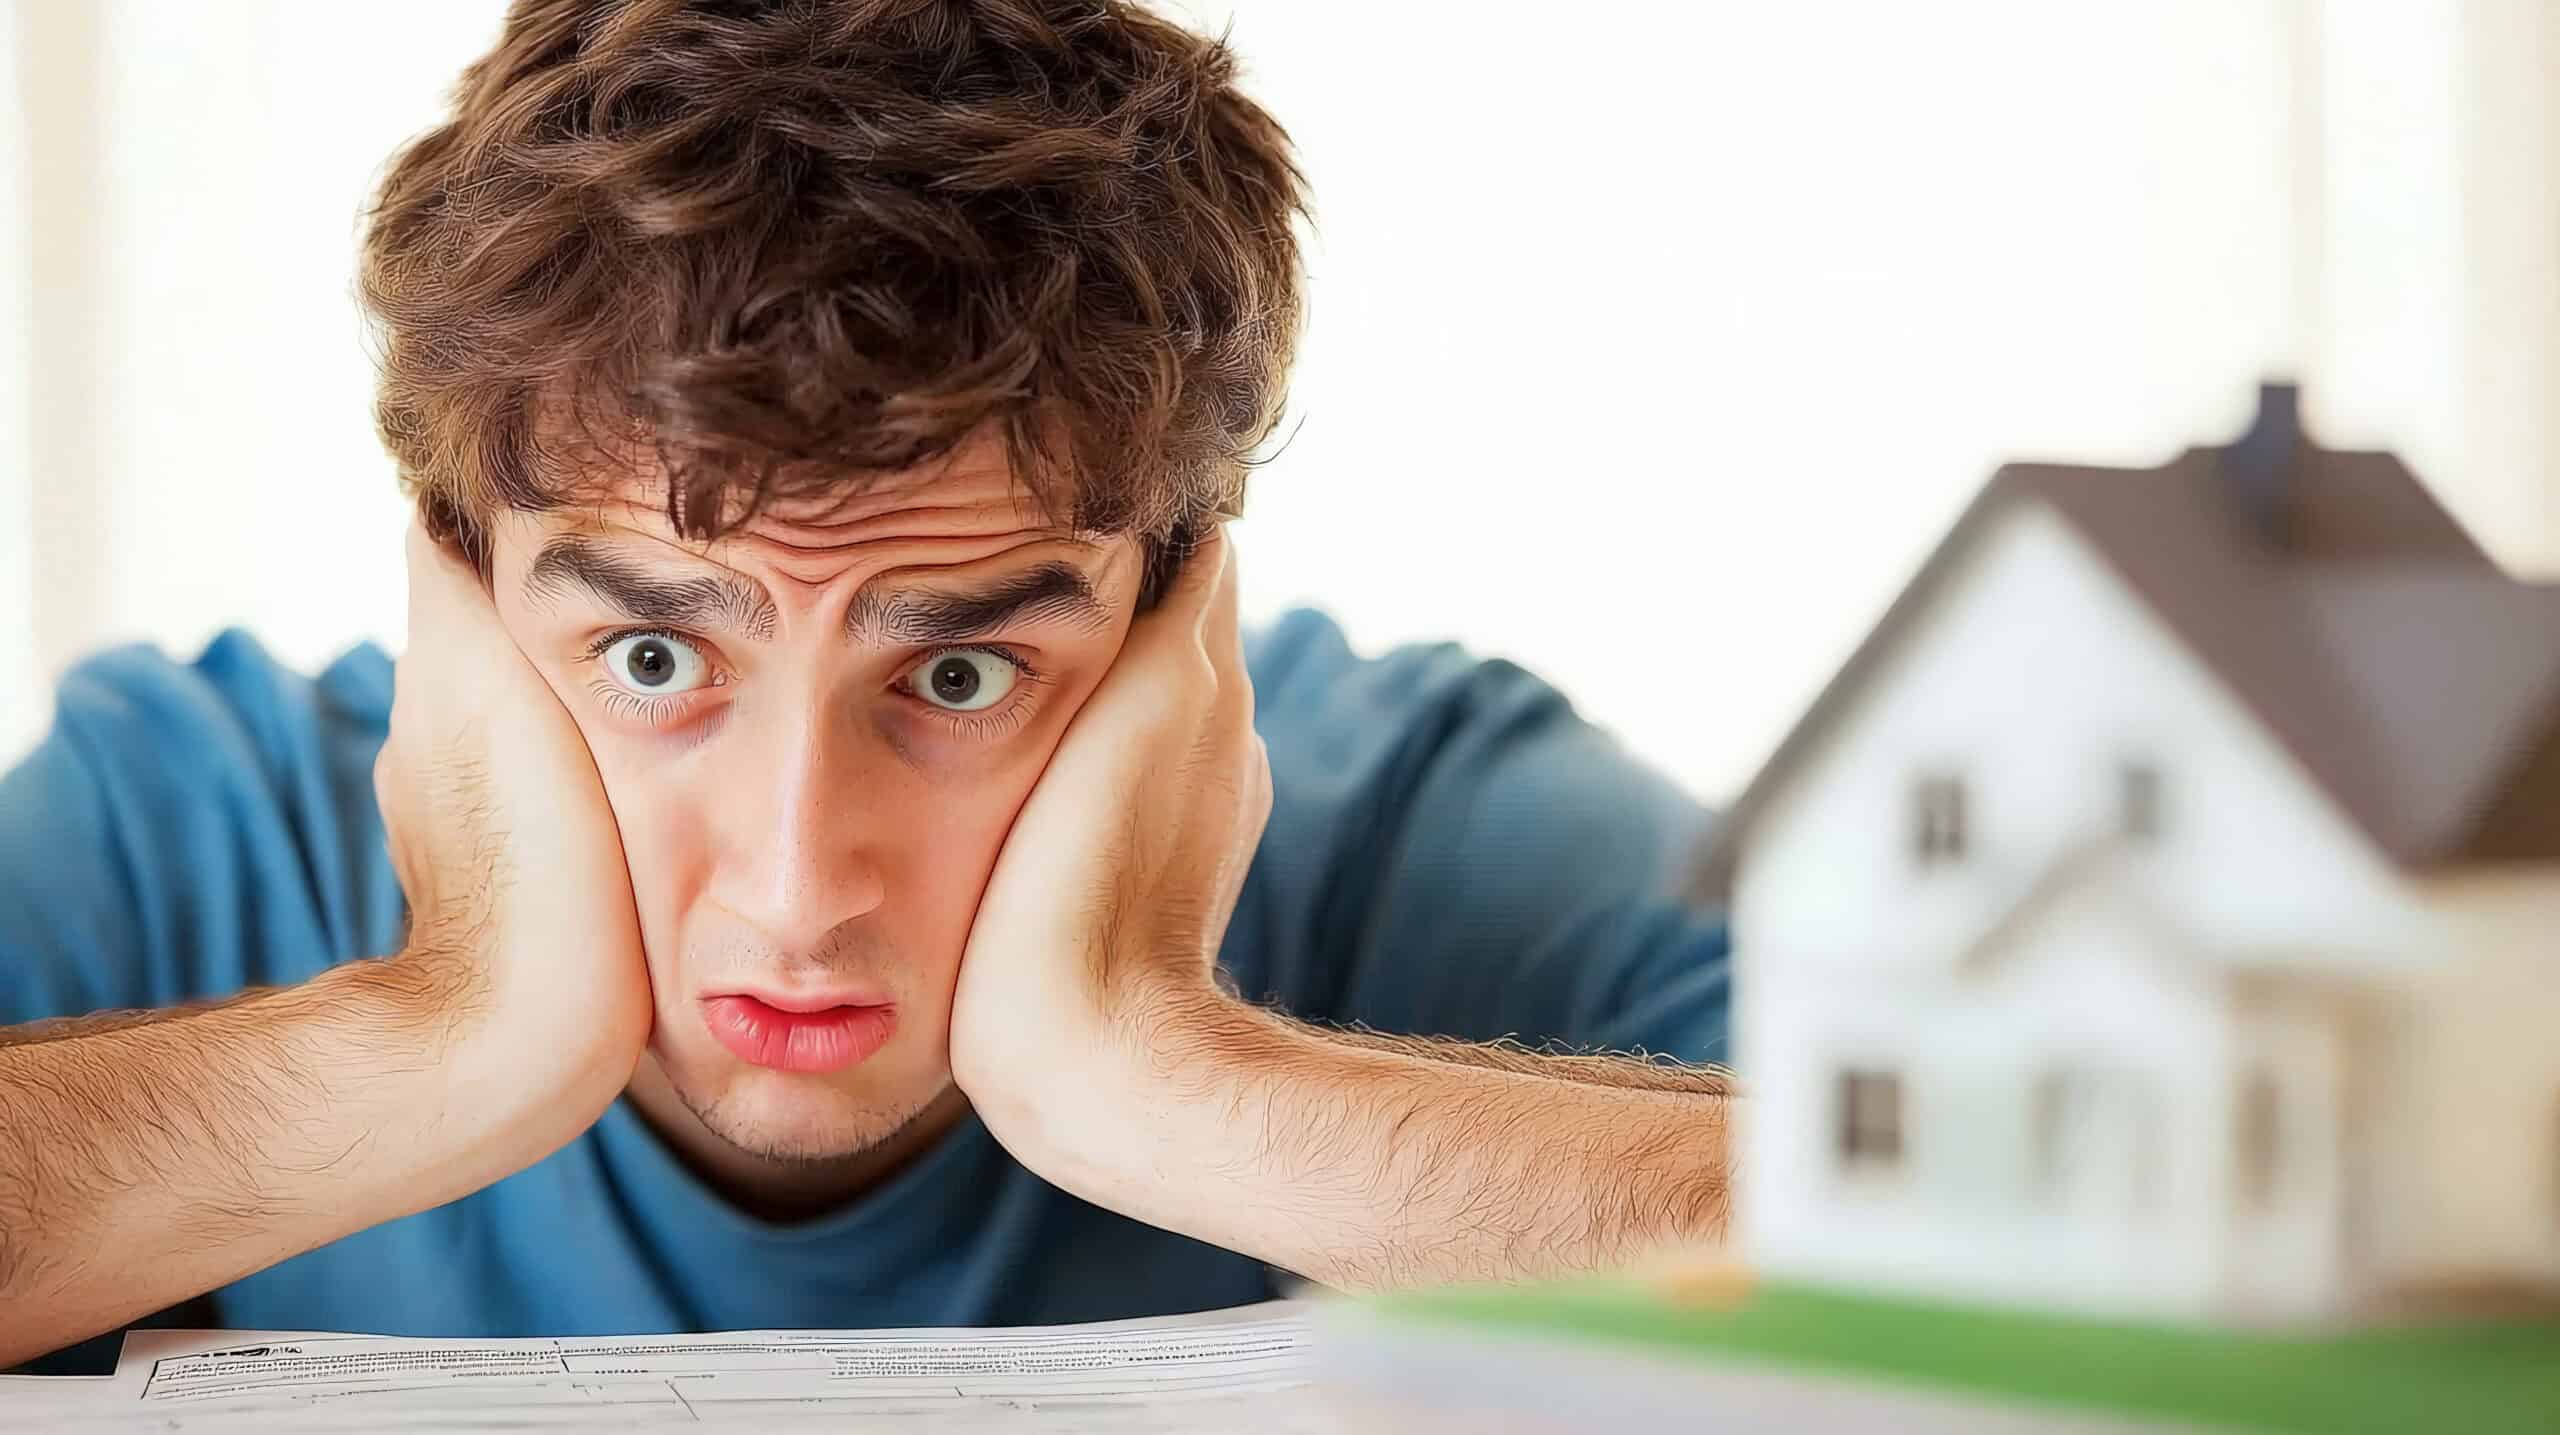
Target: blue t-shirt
(1451, 851)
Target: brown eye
(964, 680)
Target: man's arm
(1632, 1071)
(1369, 1163)
(149, 1156)
(152, 1156)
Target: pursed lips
(801, 1032)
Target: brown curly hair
(791, 245)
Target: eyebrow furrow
(701, 601)
(1049, 591)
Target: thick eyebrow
(734, 604)
(1052, 590)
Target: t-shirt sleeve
(188, 829)
(1454, 851)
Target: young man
(832, 859)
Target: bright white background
(1653, 342)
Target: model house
(2160, 912)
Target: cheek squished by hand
(1097, 935)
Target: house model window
(1937, 819)
(2255, 1132)
(2138, 793)
(2049, 1114)
(1870, 1119)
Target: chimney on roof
(2261, 467)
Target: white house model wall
(2136, 1022)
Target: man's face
(815, 737)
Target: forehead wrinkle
(795, 550)
(824, 565)
(954, 520)
(819, 568)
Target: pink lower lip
(826, 1040)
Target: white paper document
(1237, 1370)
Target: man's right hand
(146, 1157)
(524, 948)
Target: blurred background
(1653, 342)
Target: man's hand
(1095, 941)
(524, 945)
(1093, 1038)
(146, 1157)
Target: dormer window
(2138, 800)
(1937, 819)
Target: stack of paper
(1241, 1370)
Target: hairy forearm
(1632, 1071)
(1362, 1161)
(64, 1028)
(146, 1157)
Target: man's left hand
(1091, 961)
(1091, 1034)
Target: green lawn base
(2478, 1378)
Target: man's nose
(795, 861)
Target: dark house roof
(2414, 680)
